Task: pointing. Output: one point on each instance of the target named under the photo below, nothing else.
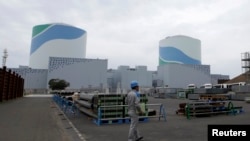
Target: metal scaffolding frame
(245, 63)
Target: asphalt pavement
(33, 118)
(40, 119)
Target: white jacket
(133, 102)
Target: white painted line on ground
(71, 124)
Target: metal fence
(11, 85)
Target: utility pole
(5, 55)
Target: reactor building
(58, 51)
(180, 50)
(180, 62)
(56, 40)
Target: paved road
(39, 119)
(176, 128)
(33, 119)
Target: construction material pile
(208, 108)
(106, 106)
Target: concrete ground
(40, 119)
(33, 118)
(176, 128)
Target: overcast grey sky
(127, 32)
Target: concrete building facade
(35, 80)
(180, 75)
(79, 72)
(216, 77)
(122, 77)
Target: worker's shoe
(139, 139)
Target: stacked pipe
(108, 105)
(85, 104)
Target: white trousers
(133, 130)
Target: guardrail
(210, 108)
(109, 114)
(125, 118)
(67, 106)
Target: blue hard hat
(134, 84)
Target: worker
(134, 109)
(75, 97)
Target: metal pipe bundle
(86, 97)
(85, 104)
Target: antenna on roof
(5, 55)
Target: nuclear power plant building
(58, 51)
(180, 62)
(56, 40)
(180, 50)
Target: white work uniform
(75, 97)
(133, 102)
